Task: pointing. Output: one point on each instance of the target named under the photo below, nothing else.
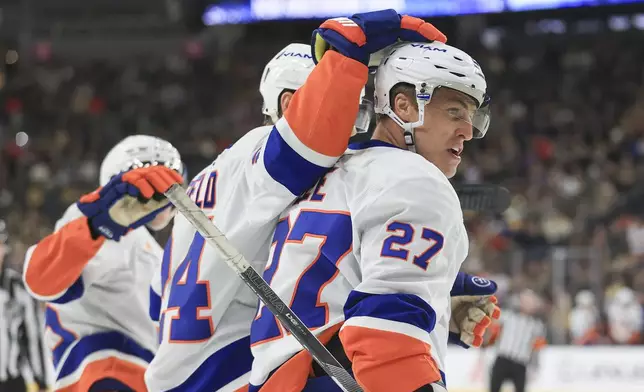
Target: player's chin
(450, 165)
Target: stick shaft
(235, 260)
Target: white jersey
(97, 294)
(372, 251)
(206, 310)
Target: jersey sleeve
(405, 229)
(53, 270)
(315, 129)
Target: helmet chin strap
(273, 116)
(422, 98)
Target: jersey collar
(369, 144)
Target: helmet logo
(294, 54)
(428, 47)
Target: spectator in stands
(584, 317)
(625, 317)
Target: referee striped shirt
(21, 329)
(519, 336)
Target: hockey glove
(473, 308)
(362, 34)
(131, 199)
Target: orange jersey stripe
(58, 259)
(323, 111)
(126, 372)
(292, 375)
(388, 361)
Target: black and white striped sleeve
(520, 336)
(31, 344)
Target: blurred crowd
(567, 139)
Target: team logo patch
(481, 282)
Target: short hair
(407, 89)
(267, 119)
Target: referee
(22, 357)
(520, 334)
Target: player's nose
(465, 130)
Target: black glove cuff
(92, 231)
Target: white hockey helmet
(137, 151)
(287, 70)
(428, 66)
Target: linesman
(22, 356)
(519, 335)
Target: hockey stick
(235, 260)
(483, 198)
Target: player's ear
(285, 100)
(405, 108)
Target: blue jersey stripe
(220, 369)
(165, 263)
(404, 308)
(102, 341)
(288, 167)
(75, 291)
(371, 143)
(155, 305)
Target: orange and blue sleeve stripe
(110, 368)
(386, 335)
(73, 292)
(54, 267)
(317, 125)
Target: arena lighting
(218, 14)
(248, 11)
(619, 23)
(638, 21)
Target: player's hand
(362, 34)
(129, 200)
(473, 308)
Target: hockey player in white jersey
(206, 309)
(282, 76)
(94, 271)
(369, 257)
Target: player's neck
(389, 133)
